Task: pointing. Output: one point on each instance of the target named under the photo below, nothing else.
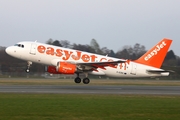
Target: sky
(113, 23)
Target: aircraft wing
(102, 65)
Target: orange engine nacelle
(62, 68)
(51, 69)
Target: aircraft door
(33, 49)
(134, 69)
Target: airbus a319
(61, 60)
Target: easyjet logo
(155, 51)
(68, 54)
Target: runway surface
(92, 89)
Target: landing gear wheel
(86, 80)
(27, 70)
(77, 80)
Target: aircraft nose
(9, 50)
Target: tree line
(12, 65)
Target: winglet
(155, 56)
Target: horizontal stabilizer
(159, 71)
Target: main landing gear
(86, 80)
(29, 63)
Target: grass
(88, 107)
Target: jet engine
(51, 69)
(62, 68)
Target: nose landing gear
(29, 63)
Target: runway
(92, 89)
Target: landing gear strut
(29, 63)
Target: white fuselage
(50, 55)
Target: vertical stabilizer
(155, 56)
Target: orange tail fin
(155, 56)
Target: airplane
(61, 60)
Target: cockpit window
(16, 45)
(19, 45)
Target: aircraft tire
(27, 70)
(86, 80)
(77, 80)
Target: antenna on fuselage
(35, 41)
